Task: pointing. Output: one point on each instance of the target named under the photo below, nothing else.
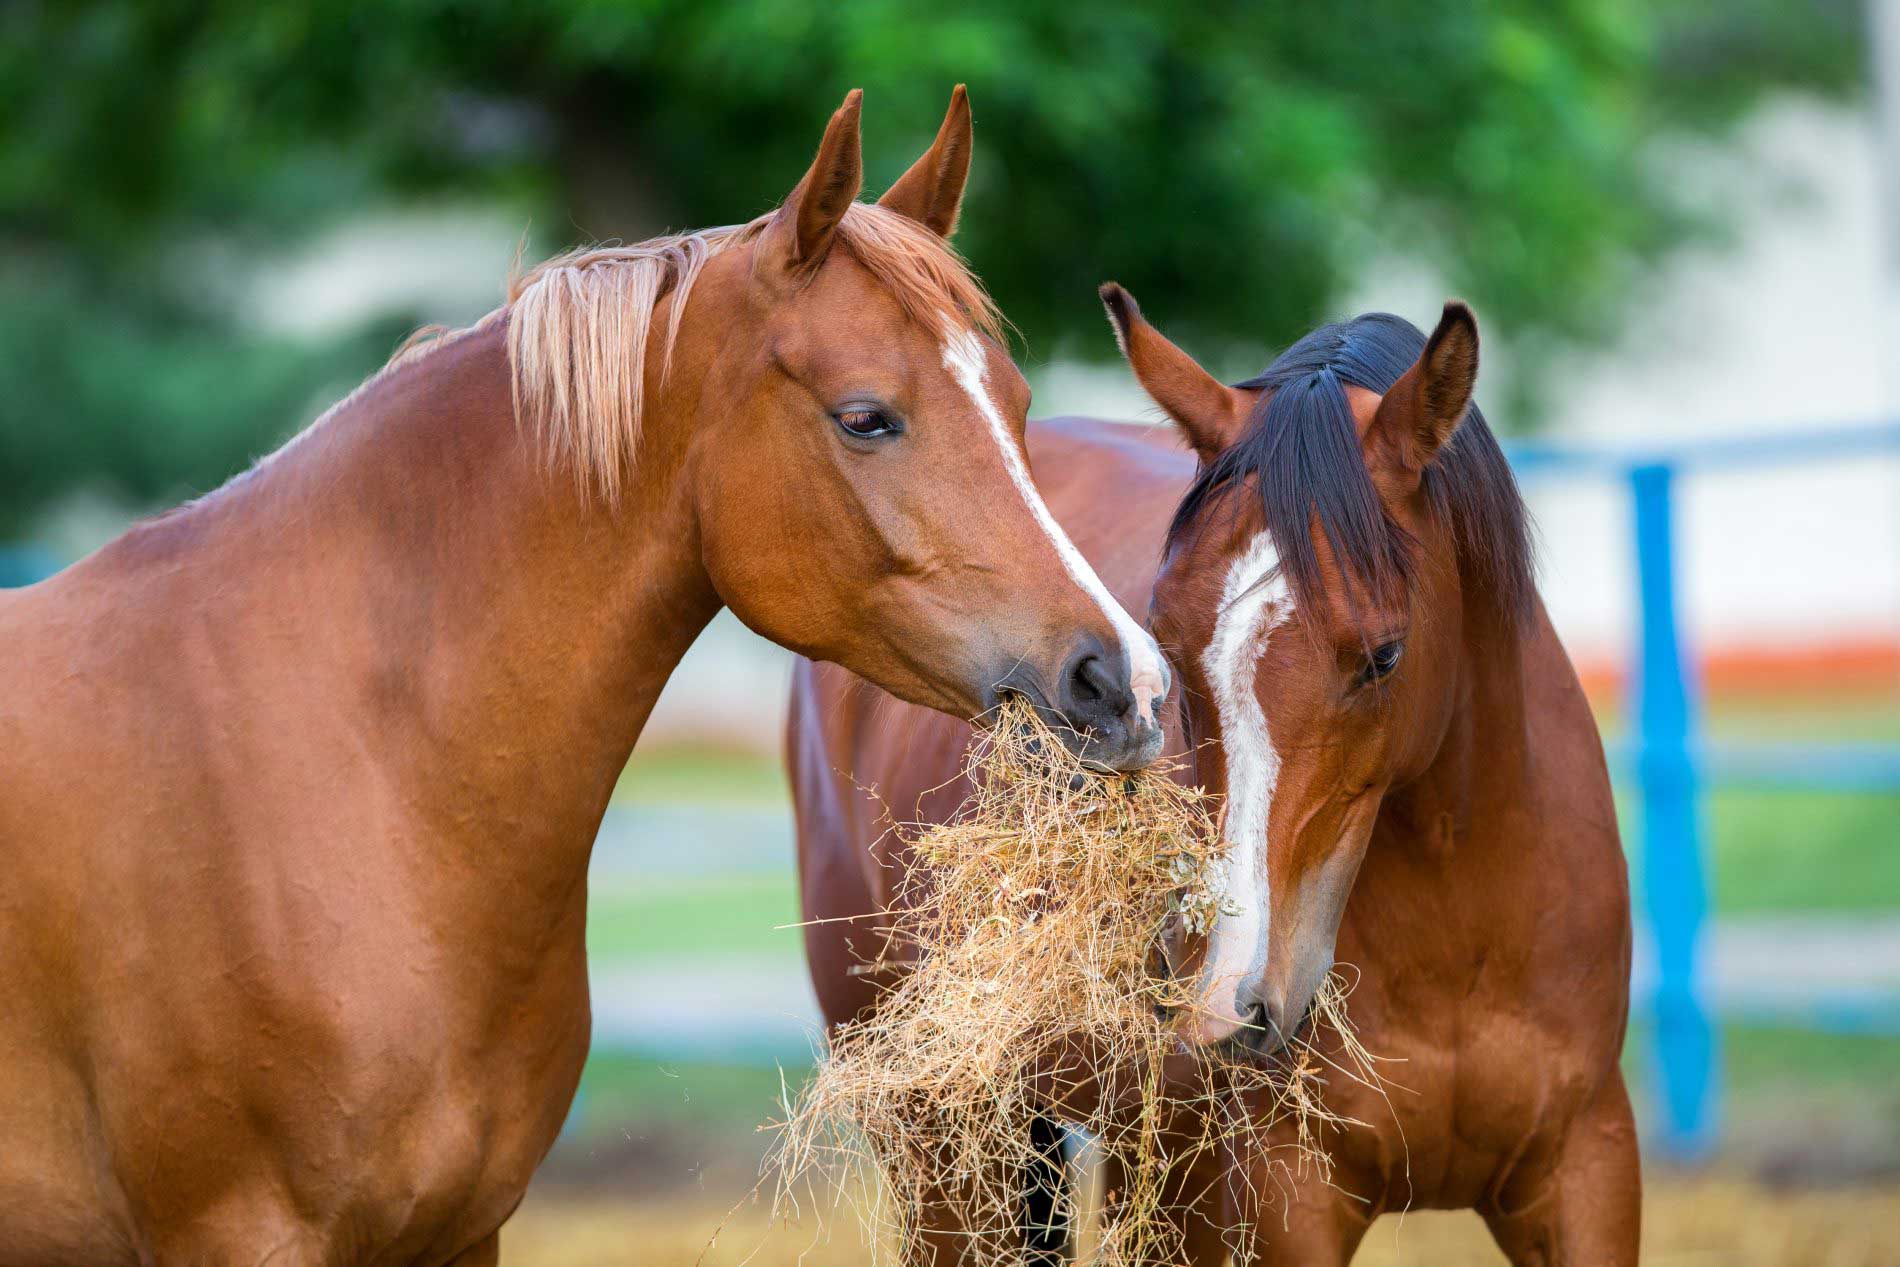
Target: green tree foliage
(1236, 165)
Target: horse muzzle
(1107, 715)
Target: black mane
(1302, 451)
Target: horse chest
(1497, 1044)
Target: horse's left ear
(931, 192)
(801, 231)
(1210, 414)
(1418, 416)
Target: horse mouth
(1121, 745)
(1077, 743)
(1263, 1044)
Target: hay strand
(1036, 916)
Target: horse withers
(302, 778)
(1412, 782)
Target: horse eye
(1383, 660)
(865, 422)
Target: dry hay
(1036, 918)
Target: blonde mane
(579, 324)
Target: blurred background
(1678, 221)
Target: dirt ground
(1717, 1222)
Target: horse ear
(1208, 412)
(1418, 416)
(802, 229)
(931, 192)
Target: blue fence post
(1673, 885)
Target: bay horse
(1413, 785)
(302, 778)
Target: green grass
(1794, 850)
(703, 776)
(739, 915)
(1761, 1063)
(1757, 1059)
(1779, 851)
(620, 1087)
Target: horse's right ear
(931, 192)
(801, 231)
(1208, 412)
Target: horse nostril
(1095, 703)
(1095, 690)
(1258, 1019)
(1090, 681)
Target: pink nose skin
(1203, 1028)
(1149, 688)
(1213, 1017)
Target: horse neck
(512, 634)
(1482, 766)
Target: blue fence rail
(1674, 764)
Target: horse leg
(1284, 1220)
(1587, 1205)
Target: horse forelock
(1301, 453)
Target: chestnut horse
(302, 779)
(1413, 785)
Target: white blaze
(968, 362)
(1255, 600)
